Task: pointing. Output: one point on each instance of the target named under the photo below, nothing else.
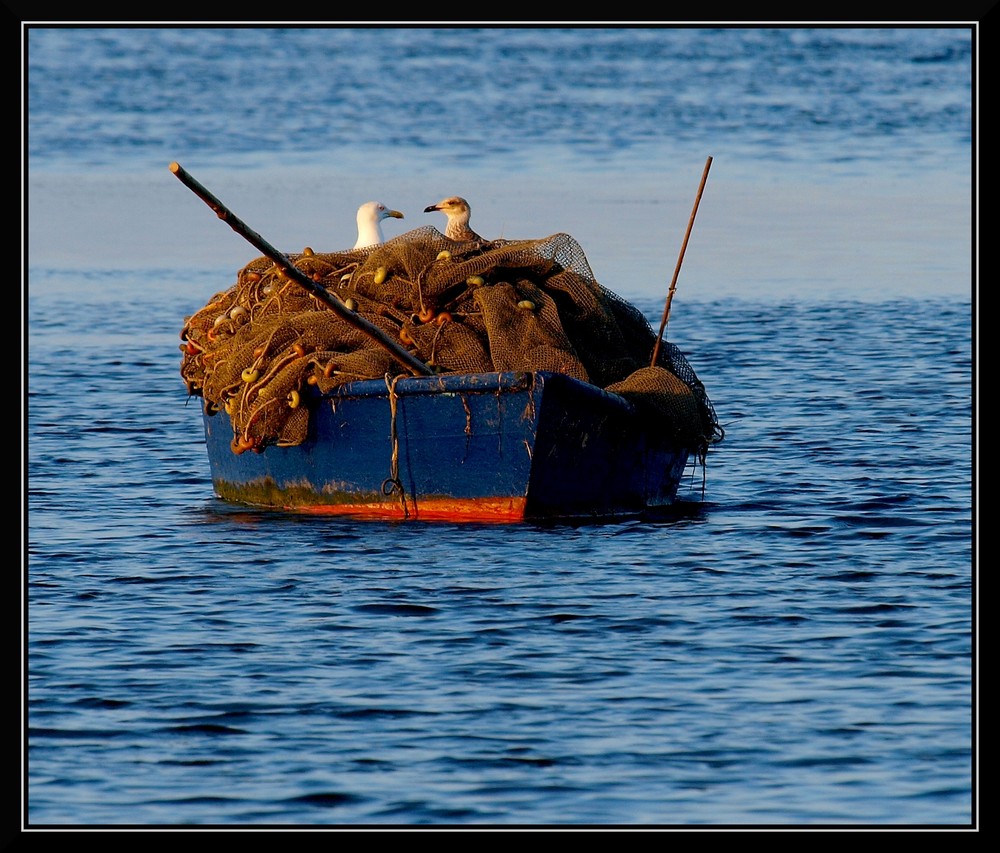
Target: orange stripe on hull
(428, 509)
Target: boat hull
(496, 447)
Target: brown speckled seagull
(458, 212)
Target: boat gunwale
(507, 381)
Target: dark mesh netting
(521, 305)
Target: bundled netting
(478, 307)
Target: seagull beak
(432, 208)
(395, 214)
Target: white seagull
(458, 212)
(370, 216)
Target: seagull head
(370, 214)
(375, 211)
(453, 206)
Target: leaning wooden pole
(402, 355)
(680, 260)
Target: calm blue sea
(794, 648)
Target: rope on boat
(392, 484)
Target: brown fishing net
(522, 305)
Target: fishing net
(508, 305)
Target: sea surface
(794, 648)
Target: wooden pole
(402, 355)
(680, 260)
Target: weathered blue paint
(487, 447)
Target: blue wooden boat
(496, 447)
(525, 436)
